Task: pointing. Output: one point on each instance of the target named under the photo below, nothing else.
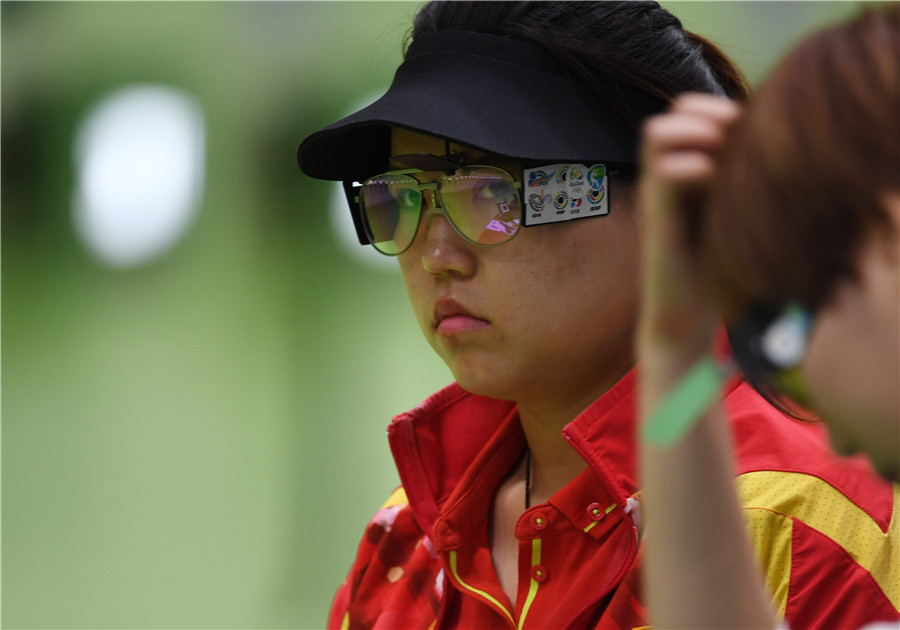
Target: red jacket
(827, 530)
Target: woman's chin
(481, 388)
(483, 382)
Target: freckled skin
(561, 299)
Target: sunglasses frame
(352, 191)
(449, 164)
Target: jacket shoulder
(766, 440)
(395, 579)
(827, 562)
(825, 528)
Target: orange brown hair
(804, 175)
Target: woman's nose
(445, 251)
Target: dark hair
(803, 179)
(638, 44)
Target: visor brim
(496, 95)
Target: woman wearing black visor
(499, 170)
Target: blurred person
(499, 168)
(783, 221)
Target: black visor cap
(500, 96)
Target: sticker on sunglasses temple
(561, 192)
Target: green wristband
(685, 404)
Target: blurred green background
(196, 439)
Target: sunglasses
(483, 203)
(769, 345)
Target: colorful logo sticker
(576, 180)
(539, 178)
(575, 175)
(596, 175)
(596, 194)
(567, 191)
(561, 200)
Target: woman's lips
(455, 324)
(451, 318)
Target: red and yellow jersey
(825, 529)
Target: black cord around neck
(527, 477)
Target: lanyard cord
(527, 477)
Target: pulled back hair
(803, 180)
(638, 44)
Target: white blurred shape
(342, 222)
(140, 157)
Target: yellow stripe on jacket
(823, 507)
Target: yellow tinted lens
(483, 203)
(391, 205)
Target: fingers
(718, 107)
(678, 155)
(679, 147)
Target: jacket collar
(435, 443)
